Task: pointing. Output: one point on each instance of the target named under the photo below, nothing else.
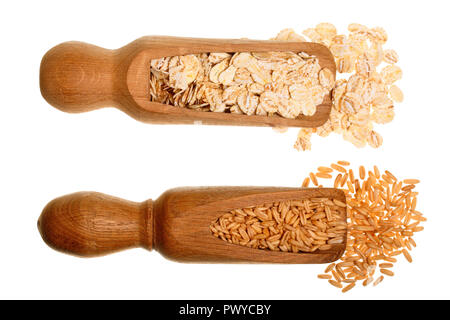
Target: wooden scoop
(79, 77)
(177, 224)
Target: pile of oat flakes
(290, 84)
(256, 83)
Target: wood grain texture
(79, 77)
(176, 224)
(92, 224)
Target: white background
(46, 153)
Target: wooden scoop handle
(93, 224)
(78, 77)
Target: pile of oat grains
(382, 219)
(288, 226)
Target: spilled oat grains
(382, 220)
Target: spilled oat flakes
(365, 93)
